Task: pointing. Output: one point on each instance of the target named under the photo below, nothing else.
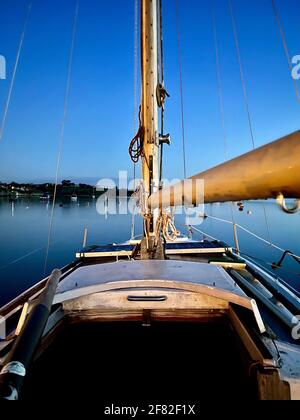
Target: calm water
(24, 231)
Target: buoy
(240, 206)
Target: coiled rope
(136, 145)
(165, 225)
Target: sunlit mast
(149, 113)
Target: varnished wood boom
(263, 173)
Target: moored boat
(74, 198)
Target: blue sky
(100, 119)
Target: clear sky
(100, 119)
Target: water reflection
(24, 225)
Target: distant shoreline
(46, 190)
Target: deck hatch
(203, 247)
(106, 251)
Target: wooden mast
(149, 116)
(267, 172)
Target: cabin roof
(183, 271)
(193, 276)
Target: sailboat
(164, 317)
(74, 197)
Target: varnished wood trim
(157, 284)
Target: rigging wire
(62, 129)
(220, 93)
(180, 65)
(28, 254)
(219, 80)
(245, 93)
(252, 233)
(248, 255)
(34, 251)
(267, 224)
(268, 263)
(287, 54)
(12, 82)
(284, 43)
(181, 84)
(242, 72)
(201, 231)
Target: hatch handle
(147, 298)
